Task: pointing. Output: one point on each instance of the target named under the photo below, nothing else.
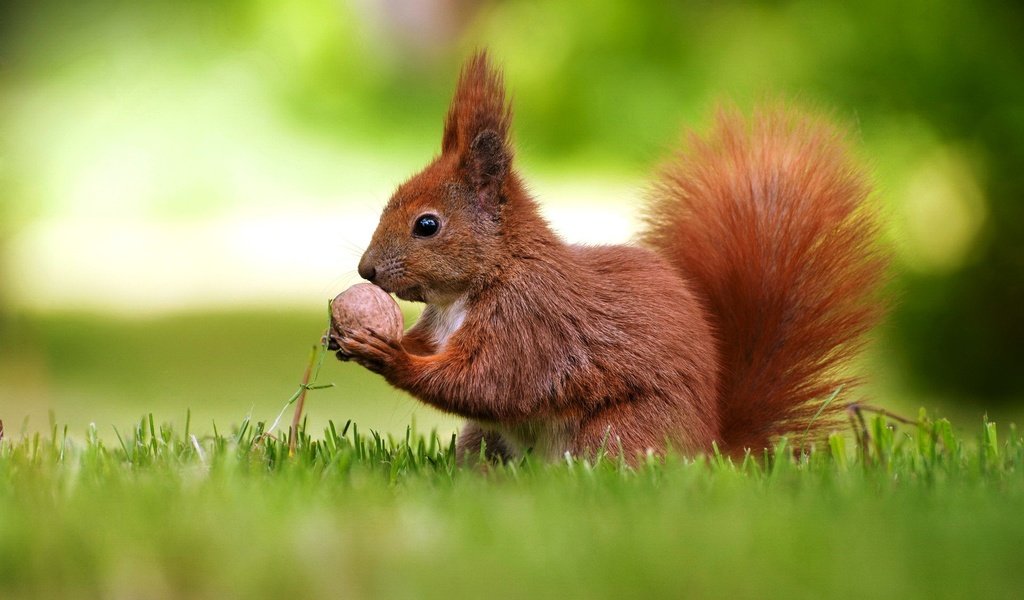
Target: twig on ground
(293, 432)
(859, 425)
(316, 360)
(860, 406)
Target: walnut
(366, 306)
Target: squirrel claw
(391, 342)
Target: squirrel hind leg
(470, 440)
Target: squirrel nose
(367, 272)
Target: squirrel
(731, 321)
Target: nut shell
(366, 306)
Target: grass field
(139, 509)
(164, 513)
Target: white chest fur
(445, 320)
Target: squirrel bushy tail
(769, 219)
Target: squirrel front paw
(370, 349)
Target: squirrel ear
(478, 105)
(486, 165)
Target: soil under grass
(916, 512)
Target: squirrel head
(440, 233)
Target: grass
(165, 513)
(169, 506)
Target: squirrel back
(732, 324)
(769, 220)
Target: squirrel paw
(370, 349)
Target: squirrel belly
(731, 322)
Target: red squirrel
(730, 321)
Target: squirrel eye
(426, 226)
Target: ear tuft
(479, 105)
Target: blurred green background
(183, 184)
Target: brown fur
(752, 289)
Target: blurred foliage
(935, 90)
